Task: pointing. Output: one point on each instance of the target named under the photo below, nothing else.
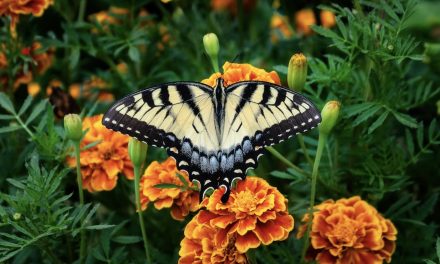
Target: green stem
(321, 144)
(51, 255)
(304, 149)
(284, 160)
(82, 249)
(25, 127)
(81, 11)
(214, 62)
(137, 178)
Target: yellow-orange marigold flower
(200, 246)
(304, 19)
(236, 72)
(328, 19)
(349, 231)
(256, 213)
(101, 164)
(181, 202)
(280, 28)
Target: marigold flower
(33, 89)
(349, 231)
(304, 19)
(200, 246)
(328, 19)
(256, 213)
(14, 8)
(101, 164)
(181, 201)
(231, 5)
(280, 28)
(236, 72)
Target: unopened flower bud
(137, 151)
(73, 126)
(297, 72)
(16, 216)
(212, 47)
(329, 115)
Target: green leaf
(133, 53)
(325, 32)
(167, 186)
(6, 103)
(367, 114)
(7, 117)
(36, 111)
(9, 129)
(127, 239)
(25, 105)
(281, 69)
(74, 57)
(182, 179)
(437, 247)
(99, 227)
(405, 119)
(282, 175)
(427, 261)
(378, 122)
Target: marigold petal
(244, 243)
(222, 221)
(246, 224)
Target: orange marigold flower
(280, 28)
(236, 72)
(200, 246)
(101, 164)
(255, 213)
(231, 5)
(349, 231)
(304, 19)
(328, 19)
(181, 201)
(14, 8)
(33, 89)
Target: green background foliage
(381, 61)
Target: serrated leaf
(366, 114)
(379, 121)
(25, 105)
(405, 119)
(325, 32)
(17, 184)
(127, 239)
(6, 103)
(409, 142)
(356, 109)
(36, 111)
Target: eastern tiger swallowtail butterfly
(215, 134)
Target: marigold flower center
(245, 201)
(345, 233)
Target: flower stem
(321, 144)
(137, 178)
(81, 11)
(284, 160)
(304, 149)
(82, 250)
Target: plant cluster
(361, 188)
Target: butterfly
(214, 134)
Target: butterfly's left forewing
(259, 114)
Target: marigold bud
(73, 126)
(329, 115)
(297, 72)
(16, 216)
(212, 47)
(137, 151)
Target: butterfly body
(215, 134)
